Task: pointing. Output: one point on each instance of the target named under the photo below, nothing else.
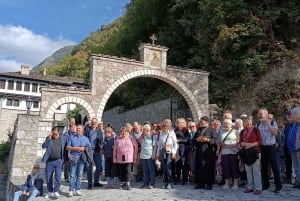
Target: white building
(17, 87)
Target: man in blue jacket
(293, 143)
(33, 185)
(55, 145)
(95, 135)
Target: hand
(248, 146)
(50, 136)
(217, 152)
(114, 160)
(27, 194)
(243, 144)
(265, 121)
(173, 156)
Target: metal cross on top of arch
(153, 38)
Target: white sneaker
(78, 193)
(293, 180)
(49, 195)
(56, 194)
(70, 193)
(225, 187)
(235, 188)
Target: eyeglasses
(192, 126)
(36, 168)
(164, 126)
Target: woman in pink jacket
(124, 155)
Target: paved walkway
(178, 193)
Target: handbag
(219, 168)
(248, 156)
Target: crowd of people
(228, 152)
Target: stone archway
(153, 73)
(70, 99)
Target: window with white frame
(2, 84)
(27, 86)
(35, 104)
(10, 85)
(35, 87)
(19, 86)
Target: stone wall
(154, 112)
(3, 180)
(26, 149)
(7, 122)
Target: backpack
(272, 123)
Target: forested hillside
(237, 41)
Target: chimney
(25, 70)
(45, 71)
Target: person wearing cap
(205, 140)
(289, 173)
(293, 143)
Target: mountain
(55, 57)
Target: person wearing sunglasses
(33, 185)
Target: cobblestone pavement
(178, 193)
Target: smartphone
(123, 157)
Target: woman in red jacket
(250, 137)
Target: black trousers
(268, 156)
(288, 164)
(205, 161)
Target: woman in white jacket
(166, 151)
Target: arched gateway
(107, 74)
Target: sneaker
(70, 193)
(78, 193)
(127, 187)
(56, 194)
(235, 187)
(257, 192)
(225, 187)
(169, 186)
(150, 187)
(293, 180)
(49, 195)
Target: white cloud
(19, 45)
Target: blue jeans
(53, 167)
(76, 170)
(149, 171)
(296, 166)
(167, 168)
(98, 163)
(33, 194)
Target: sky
(32, 30)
